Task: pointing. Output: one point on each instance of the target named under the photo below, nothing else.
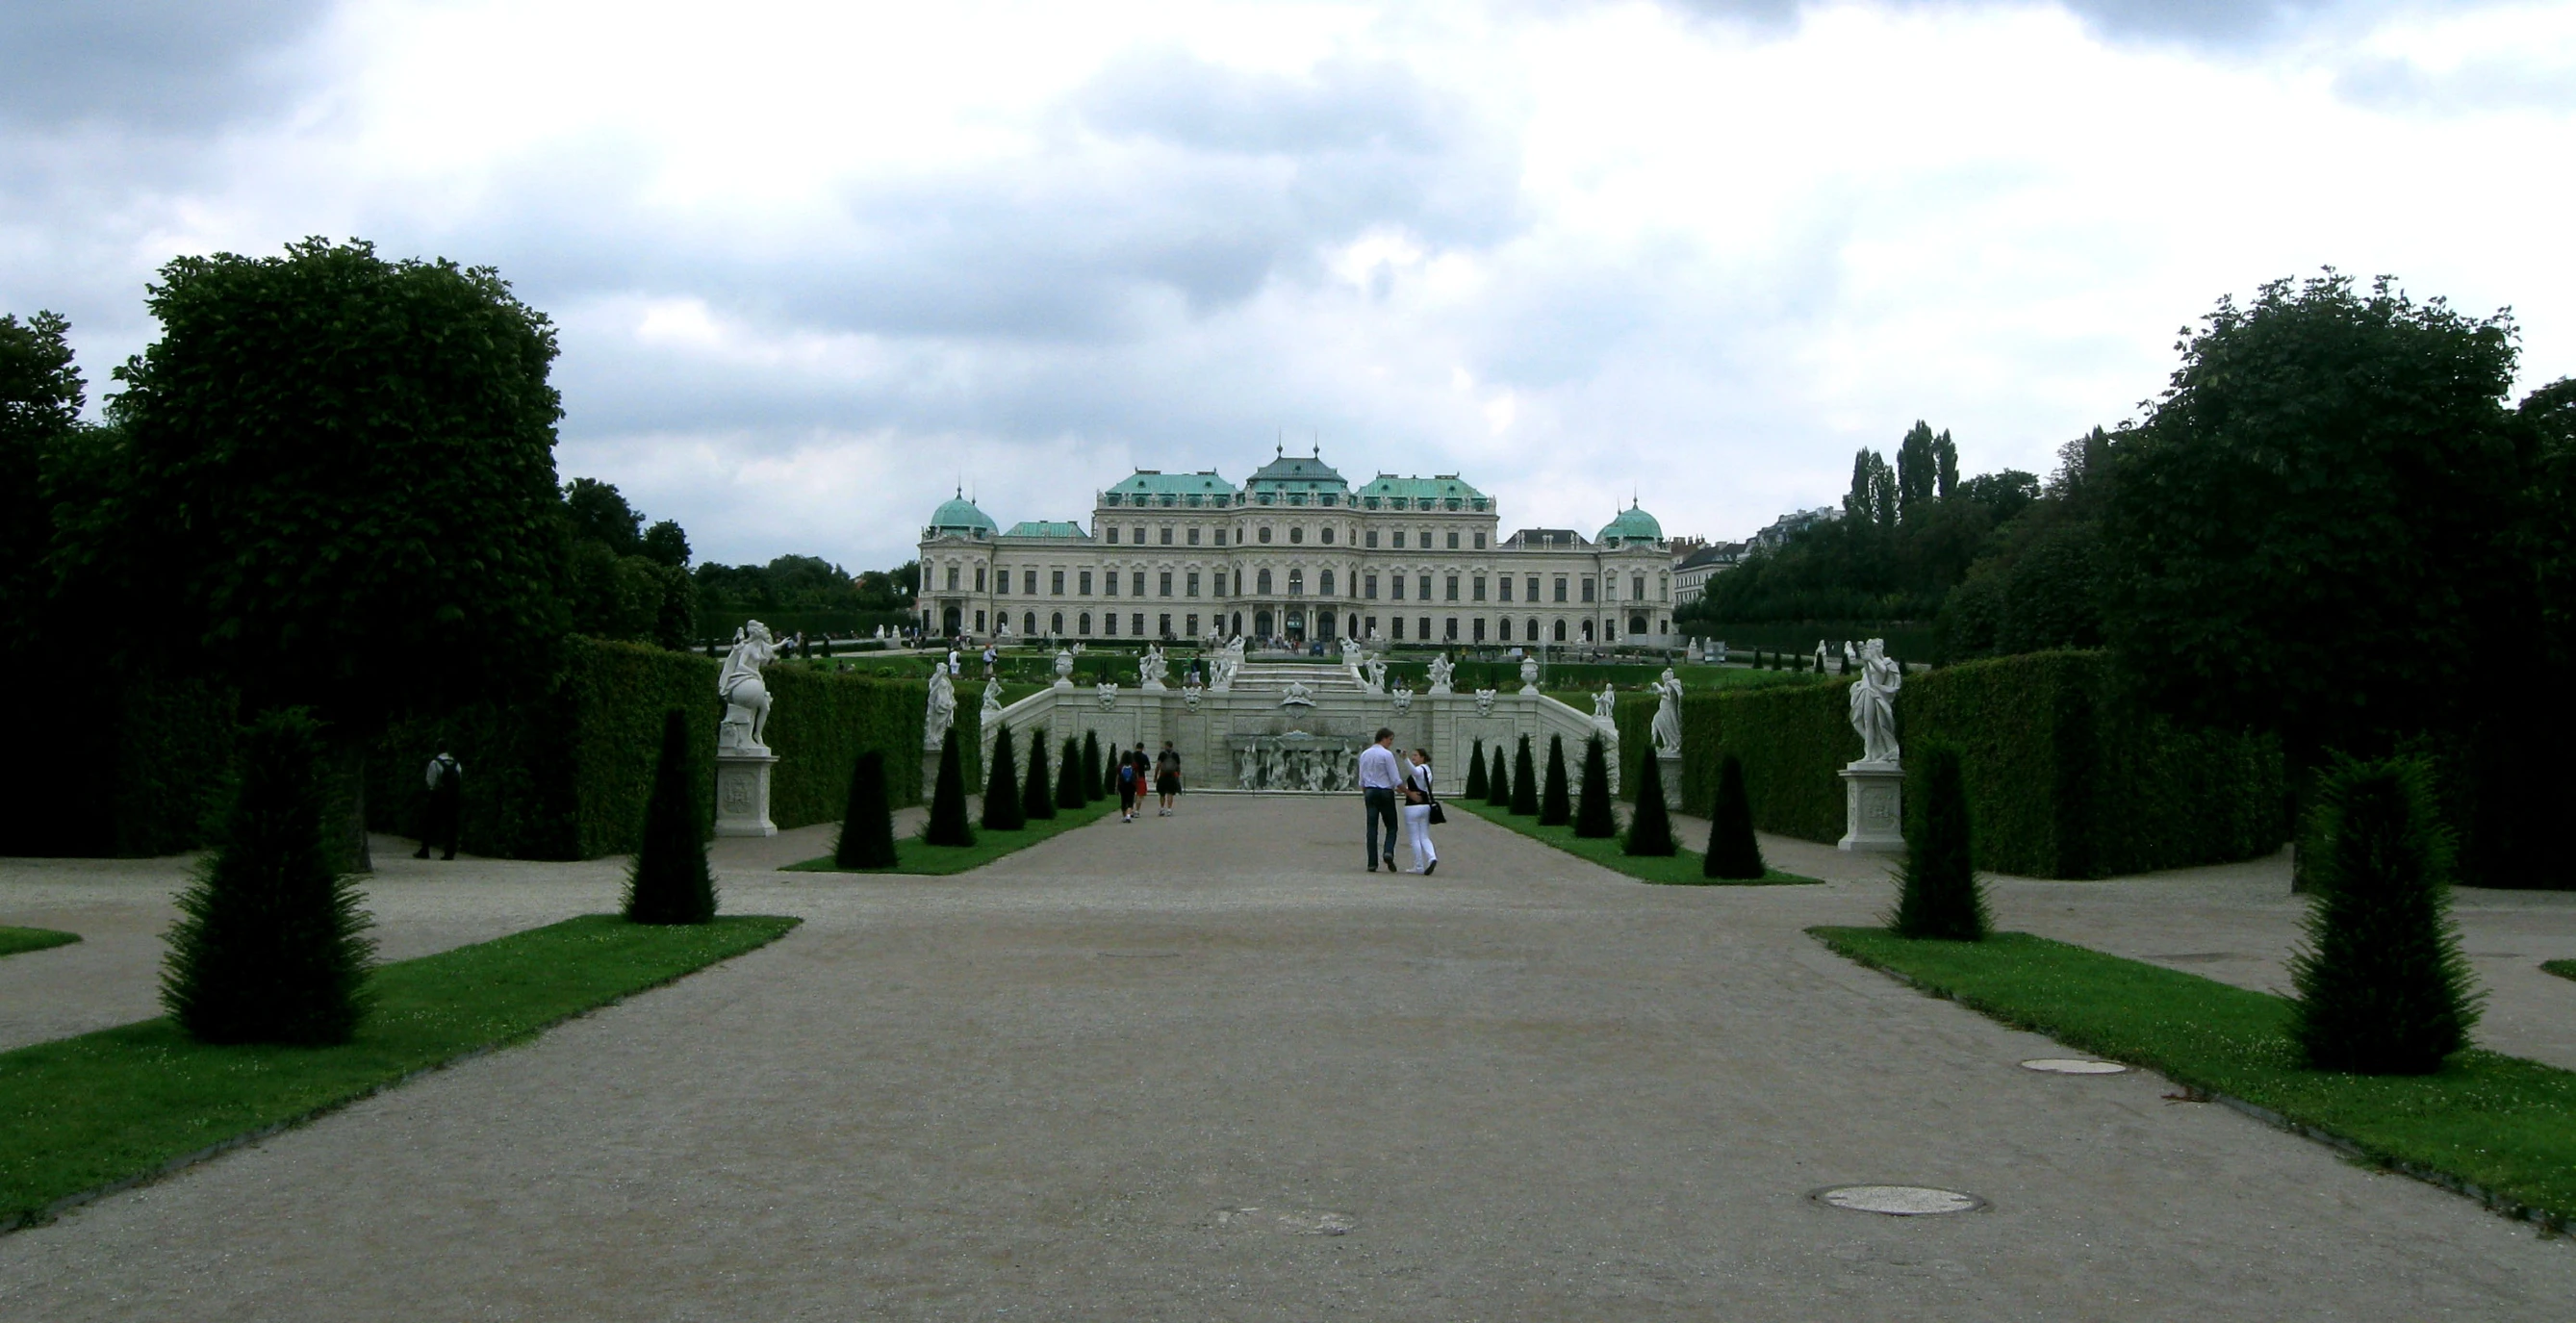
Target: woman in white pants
(1417, 814)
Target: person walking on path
(1418, 804)
(1379, 776)
(446, 778)
(1128, 787)
(1167, 777)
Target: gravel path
(1206, 1067)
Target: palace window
(1532, 633)
(1398, 622)
(1137, 624)
(1476, 587)
(1086, 588)
(1002, 583)
(1238, 583)
(1399, 539)
(1029, 582)
(1265, 534)
(1424, 584)
(1261, 583)
(1503, 630)
(1396, 581)
(1328, 535)
(1560, 587)
(1113, 534)
(1637, 625)
(1194, 541)
(979, 586)
(1140, 535)
(1166, 584)
(1029, 622)
(1055, 623)
(1368, 587)
(1083, 622)
(1164, 624)
(1372, 539)
(1193, 624)
(979, 622)
(1587, 587)
(1480, 540)
(1296, 583)
(1324, 588)
(952, 578)
(1453, 535)
(1504, 584)
(1533, 590)
(1111, 586)
(1059, 591)
(1478, 625)
(1109, 623)
(1220, 537)
(1194, 591)
(1560, 631)
(1637, 590)
(1587, 629)
(1425, 622)
(1452, 586)
(1297, 534)
(1140, 585)
(1166, 535)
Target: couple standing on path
(1383, 780)
(1133, 769)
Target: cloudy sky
(813, 264)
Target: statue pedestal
(930, 775)
(1873, 808)
(1670, 766)
(742, 794)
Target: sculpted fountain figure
(1442, 669)
(1667, 729)
(1151, 667)
(746, 717)
(1873, 703)
(1605, 707)
(942, 711)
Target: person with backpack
(1128, 786)
(446, 778)
(1167, 777)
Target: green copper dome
(1631, 527)
(960, 516)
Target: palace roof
(1045, 528)
(1631, 526)
(1439, 492)
(1155, 487)
(960, 516)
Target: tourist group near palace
(1294, 554)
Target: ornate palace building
(1295, 553)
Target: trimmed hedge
(2066, 779)
(163, 753)
(564, 773)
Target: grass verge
(2562, 968)
(15, 940)
(80, 1117)
(2494, 1127)
(915, 859)
(1679, 870)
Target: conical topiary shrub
(270, 946)
(1037, 798)
(1498, 787)
(1592, 815)
(1002, 786)
(1650, 828)
(947, 824)
(1524, 781)
(1555, 806)
(1938, 894)
(2383, 988)
(1068, 778)
(867, 825)
(1733, 854)
(1092, 787)
(670, 882)
(1477, 786)
(1108, 771)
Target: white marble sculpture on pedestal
(1442, 669)
(1873, 796)
(1605, 707)
(1151, 667)
(742, 760)
(1063, 669)
(1667, 729)
(942, 712)
(1529, 675)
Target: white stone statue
(1151, 667)
(1605, 706)
(1190, 696)
(1403, 697)
(1376, 681)
(1441, 671)
(1297, 695)
(1484, 702)
(746, 717)
(992, 699)
(1694, 654)
(1063, 669)
(1668, 713)
(1529, 675)
(1108, 692)
(1824, 654)
(1873, 703)
(943, 708)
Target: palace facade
(1295, 553)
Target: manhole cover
(2073, 1066)
(1900, 1200)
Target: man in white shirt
(1379, 776)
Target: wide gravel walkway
(1206, 1067)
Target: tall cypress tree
(1092, 786)
(1555, 806)
(867, 825)
(2383, 988)
(1938, 893)
(1498, 787)
(1650, 829)
(1477, 786)
(1002, 787)
(1068, 780)
(1733, 854)
(670, 882)
(1524, 781)
(1037, 798)
(1592, 815)
(270, 946)
(948, 825)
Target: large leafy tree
(346, 466)
(40, 402)
(2311, 532)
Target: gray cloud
(159, 64)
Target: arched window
(1261, 581)
(1324, 586)
(1637, 625)
(1532, 635)
(1296, 583)
(1029, 623)
(1560, 631)
(1328, 535)
(1503, 630)
(1587, 628)
(1082, 624)
(1055, 623)
(1265, 532)
(1297, 534)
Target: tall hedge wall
(2066, 778)
(563, 773)
(156, 755)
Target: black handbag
(1435, 817)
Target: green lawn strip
(83, 1116)
(915, 859)
(2562, 968)
(2495, 1127)
(1679, 870)
(15, 940)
